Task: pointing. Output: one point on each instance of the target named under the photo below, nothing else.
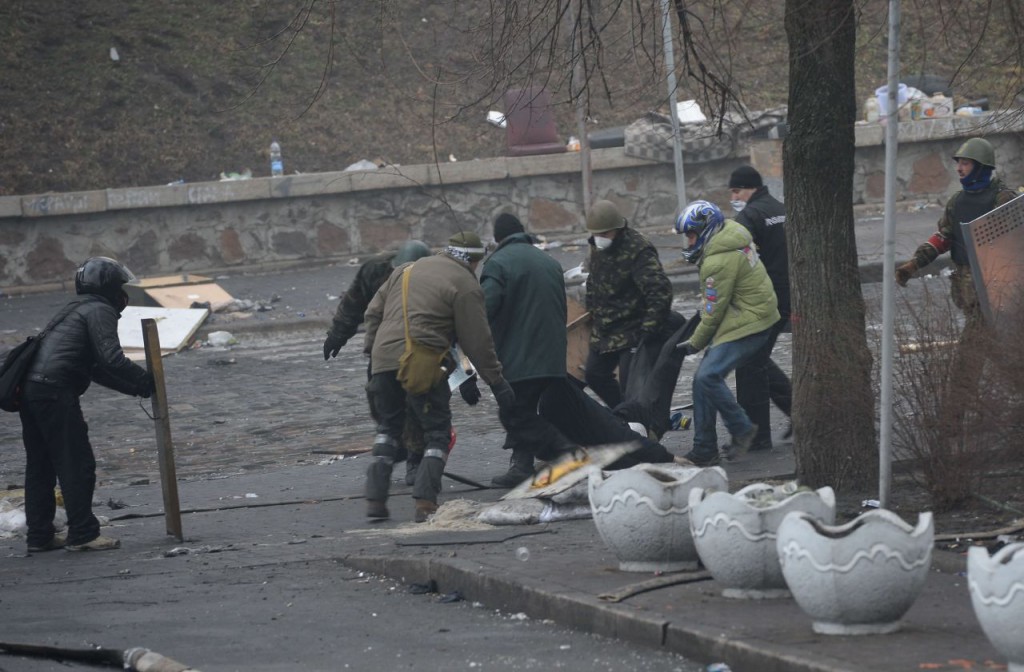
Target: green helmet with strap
(979, 150)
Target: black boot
(520, 468)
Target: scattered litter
(519, 616)
(871, 504)
(449, 598)
(554, 512)
(116, 504)
(231, 177)
(362, 164)
(576, 273)
(114, 56)
(423, 588)
(221, 339)
(522, 554)
(495, 118)
(451, 158)
(12, 521)
(196, 550)
(251, 495)
(513, 512)
(553, 245)
(354, 261)
(222, 362)
(718, 667)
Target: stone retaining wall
(265, 221)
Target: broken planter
(997, 592)
(735, 533)
(642, 514)
(859, 578)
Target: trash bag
(653, 373)
(588, 423)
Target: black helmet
(102, 276)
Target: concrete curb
(584, 611)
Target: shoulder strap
(405, 304)
(60, 318)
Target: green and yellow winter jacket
(738, 298)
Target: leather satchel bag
(420, 367)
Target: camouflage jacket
(963, 206)
(628, 294)
(357, 297)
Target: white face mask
(738, 205)
(602, 243)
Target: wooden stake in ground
(165, 449)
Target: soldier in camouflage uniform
(628, 295)
(982, 192)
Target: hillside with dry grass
(198, 88)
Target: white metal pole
(889, 260)
(576, 42)
(670, 74)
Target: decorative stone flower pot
(997, 592)
(643, 517)
(735, 533)
(859, 578)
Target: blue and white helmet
(703, 219)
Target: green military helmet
(410, 250)
(979, 150)
(603, 217)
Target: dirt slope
(191, 95)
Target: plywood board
(170, 280)
(183, 296)
(578, 334)
(175, 326)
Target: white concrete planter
(859, 578)
(642, 514)
(735, 534)
(997, 593)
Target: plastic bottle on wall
(276, 164)
(871, 110)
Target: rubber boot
(520, 468)
(379, 475)
(428, 479)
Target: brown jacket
(445, 304)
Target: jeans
(712, 396)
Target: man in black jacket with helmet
(81, 347)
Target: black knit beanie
(505, 225)
(745, 177)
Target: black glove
(470, 392)
(147, 386)
(332, 344)
(504, 395)
(686, 348)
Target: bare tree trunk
(833, 403)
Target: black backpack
(15, 366)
